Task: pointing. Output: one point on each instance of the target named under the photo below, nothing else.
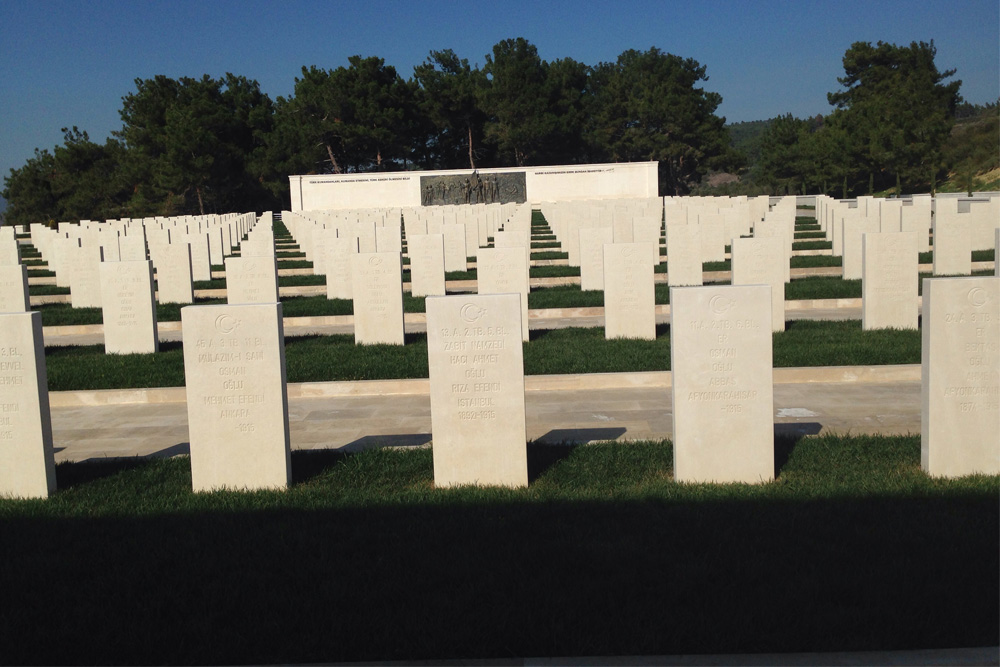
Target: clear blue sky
(70, 63)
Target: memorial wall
(466, 186)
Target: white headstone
(477, 390)
(683, 255)
(173, 273)
(505, 271)
(426, 264)
(952, 248)
(201, 265)
(377, 279)
(14, 289)
(454, 247)
(251, 280)
(889, 281)
(27, 460)
(237, 403)
(960, 368)
(761, 261)
(129, 307)
(629, 294)
(338, 267)
(592, 242)
(85, 277)
(720, 360)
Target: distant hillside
(972, 152)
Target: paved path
(582, 408)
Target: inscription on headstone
(129, 307)
(629, 295)
(960, 383)
(14, 289)
(27, 461)
(378, 298)
(251, 280)
(720, 360)
(234, 369)
(477, 390)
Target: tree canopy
(198, 145)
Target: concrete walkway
(559, 408)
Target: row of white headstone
(128, 293)
(722, 398)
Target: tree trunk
(845, 188)
(933, 181)
(472, 163)
(201, 203)
(871, 182)
(899, 188)
(333, 160)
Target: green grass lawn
(812, 245)
(573, 350)
(977, 256)
(851, 548)
(563, 296)
(42, 290)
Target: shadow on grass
(180, 449)
(460, 580)
(398, 440)
(71, 475)
(573, 436)
(308, 464)
(786, 437)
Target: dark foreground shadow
(786, 436)
(310, 463)
(70, 475)
(541, 457)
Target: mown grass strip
(556, 351)
(852, 547)
(812, 245)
